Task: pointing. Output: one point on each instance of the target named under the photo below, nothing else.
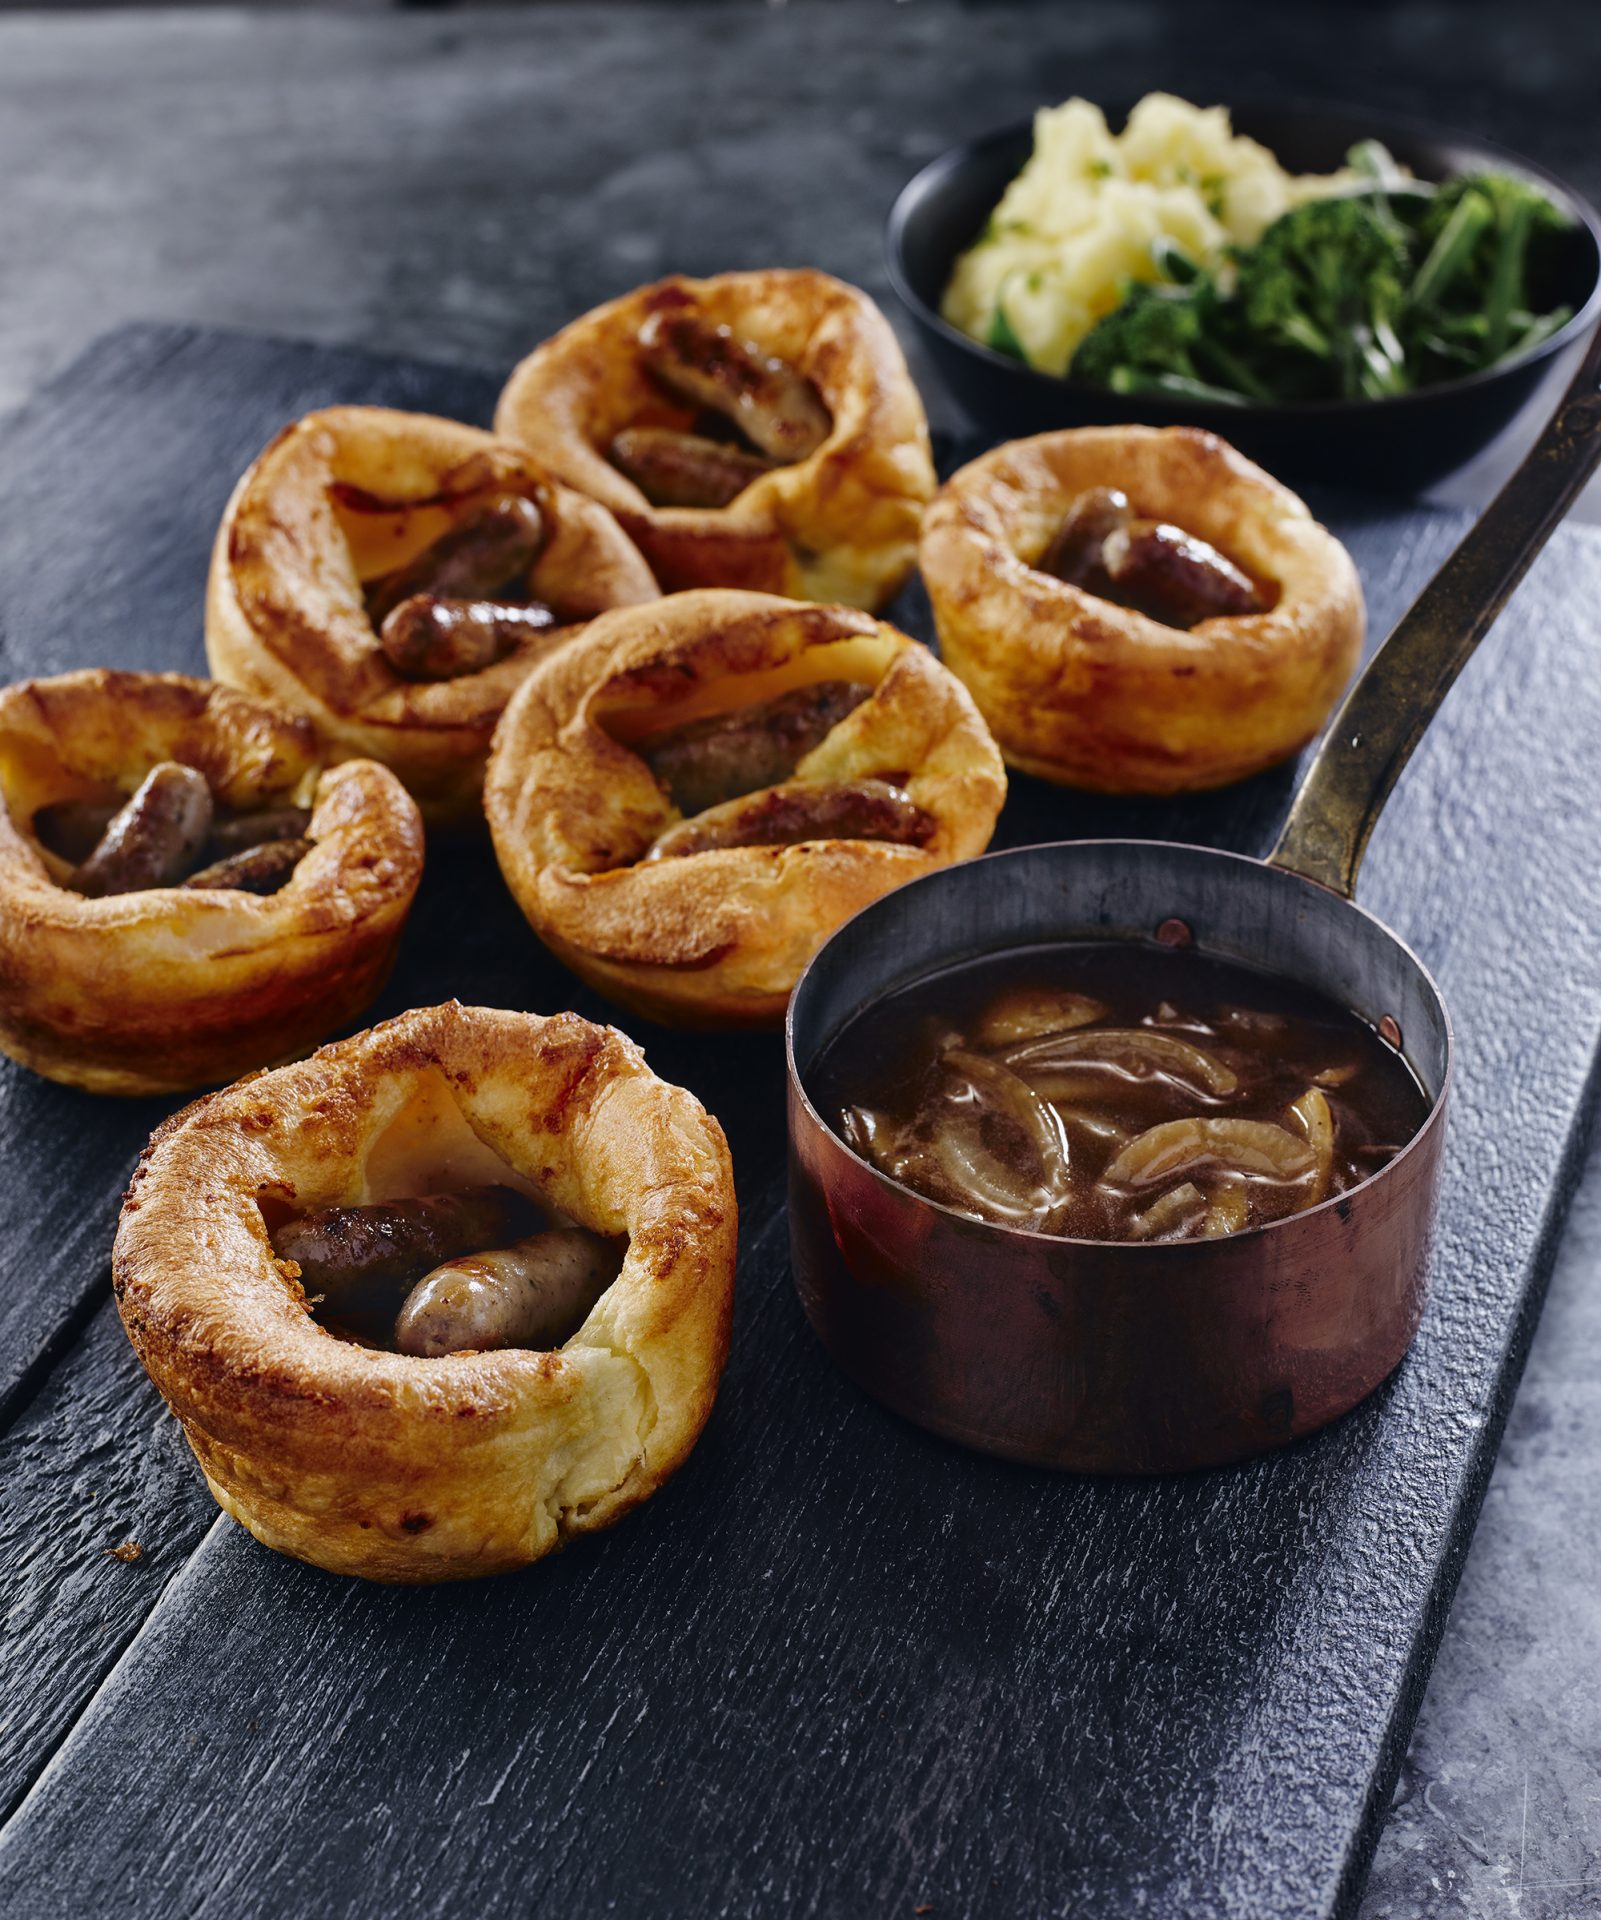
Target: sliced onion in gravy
(1181, 1149)
(1057, 1066)
(1026, 1013)
(1311, 1114)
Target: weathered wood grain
(92, 1463)
(838, 1667)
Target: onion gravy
(1118, 1091)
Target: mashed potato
(1086, 213)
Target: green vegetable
(1373, 159)
(1535, 327)
(1452, 253)
(1506, 277)
(1325, 283)
(1178, 386)
(1173, 263)
(1354, 296)
(1001, 337)
(1153, 330)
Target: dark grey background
(365, 177)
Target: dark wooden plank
(839, 1666)
(91, 1463)
(1498, 1793)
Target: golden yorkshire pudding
(1139, 609)
(691, 798)
(357, 520)
(753, 430)
(406, 1468)
(236, 910)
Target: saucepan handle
(1384, 715)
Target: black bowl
(1401, 444)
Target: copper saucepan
(1111, 1357)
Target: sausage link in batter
(1075, 553)
(535, 1293)
(360, 1256)
(428, 638)
(1174, 577)
(154, 838)
(1150, 565)
(674, 469)
(719, 758)
(493, 543)
(259, 869)
(778, 410)
(787, 815)
(233, 832)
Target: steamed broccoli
(1476, 233)
(1358, 295)
(1324, 286)
(1166, 338)
(1152, 329)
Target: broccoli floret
(1324, 286)
(1167, 338)
(1507, 195)
(1476, 234)
(1350, 297)
(1452, 230)
(1153, 330)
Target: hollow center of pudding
(727, 753)
(444, 1250)
(1152, 566)
(732, 412)
(1117, 1091)
(170, 832)
(447, 582)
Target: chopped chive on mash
(1001, 336)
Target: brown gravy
(1118, 1091)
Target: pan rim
(1139, 1249)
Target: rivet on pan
(1390, 1030)
(1174, 933)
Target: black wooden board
(837, 1667)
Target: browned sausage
(427, 638)
(260, 869)
(491, 545)
(154, 838)
(359, 1257)
(233, 832)
(728, 754)
(786, 816)
(1152, 566)
(675, 469)
(535, 1293)
(72, 829)
(1176, 578)
(776, 408)
(1075, 554)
